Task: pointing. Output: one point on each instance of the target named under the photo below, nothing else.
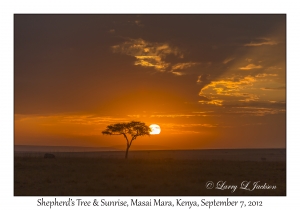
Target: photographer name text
(245, 185)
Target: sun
(155, 129)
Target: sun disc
(155, 129)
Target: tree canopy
(131, 129)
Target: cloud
(274, 88)
(184, 65)
(256, 111)
(178, 73)
(187, 128)
(266, 75)
(70, 119)
(228, 85)
(151, 61)
(135, 116)
(180, 68)
(227, 60)
(251, 66)
(203, 78)
(231, 89)
(88, 119)
(189, 125)
(248, 97)
(212, 102)
(148, 54)
(261, 42)
(237, 89)
(175, 115)
(112, 31)
(63, 125)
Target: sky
(209, 81)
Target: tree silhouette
(133, 129)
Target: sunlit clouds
(228, 86)
(257, 111)
(178, 69)
(151, 54)
(69, 119)
(261, 42)
(237, 89)
(148, 54)
(183, 129)
(251, 66)
(183, 65)
(212, 102)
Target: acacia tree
(132, 129)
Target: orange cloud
(213, 102)
(184, 65)
(274, 88)
(148, 54)
(251, 66)
(231, 89)
(261, 42)
(266, 75)
(175, 115)
(257, 111)
(151, 61)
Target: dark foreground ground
(100, 176)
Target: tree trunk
(126, 154)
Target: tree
(133, 129)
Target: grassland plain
(96, 176)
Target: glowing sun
(155, 129)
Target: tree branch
(126, 139)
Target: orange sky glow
(208, 81)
